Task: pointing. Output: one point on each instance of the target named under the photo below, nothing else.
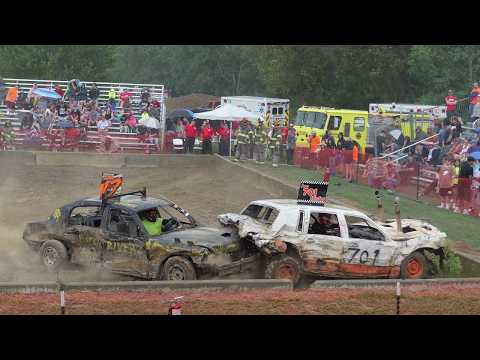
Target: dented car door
(367, 251)
(322, 250)
(123, 248)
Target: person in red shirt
(190, 134)
(125, 96)
(207, 134)
(451, 102)
(473, 96)
(224, 133)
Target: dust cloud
(32, 193)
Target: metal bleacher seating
(127, 141)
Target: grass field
(428, 300)
(459, 228)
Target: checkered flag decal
(313, 192)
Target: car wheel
(53, 254)
(415, 266)
(284, 267)
(178, 268)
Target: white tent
(229, 112)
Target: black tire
(53, 254)
(416, 266)
(178, 268)
(284, 267)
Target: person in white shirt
(102, 126)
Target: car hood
(199, 236)
(416, 232)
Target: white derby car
(337, 242)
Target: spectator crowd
(73, 112)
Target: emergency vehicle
(269, 109)
(362, 126)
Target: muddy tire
(284, 267)
(415, 266)
(178, 268)
(53, 254)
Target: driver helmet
(151, 215)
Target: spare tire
(53, 254)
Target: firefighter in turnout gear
(243, 140)
(260, 143)
(251, 144)
(274, 141)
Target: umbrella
(396, 133)
(150, 122)
(181, 113)
(46, 93)
(475, 155)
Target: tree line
(348, 76)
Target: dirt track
(418, 300)
(32, 192)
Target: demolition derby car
(304, 239)
(111, 231)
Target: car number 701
(363, 257)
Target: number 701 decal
(362, 255)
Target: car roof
(285, 204)
(136, 203)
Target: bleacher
(126, 141)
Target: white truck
(269, 109)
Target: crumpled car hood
(261, 233)
(420, 232)
(201, 236)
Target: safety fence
(415, 175)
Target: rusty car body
(351, 246)
(90, 231)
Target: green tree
(213, 69)
(86, 62)
(436, 68)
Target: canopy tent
(229, 112)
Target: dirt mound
(189, 101)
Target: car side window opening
(85, 216)
(358, 228)
(274, 111)
(334, 123)
(324, 224)
(280, 111)
(121, 222)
